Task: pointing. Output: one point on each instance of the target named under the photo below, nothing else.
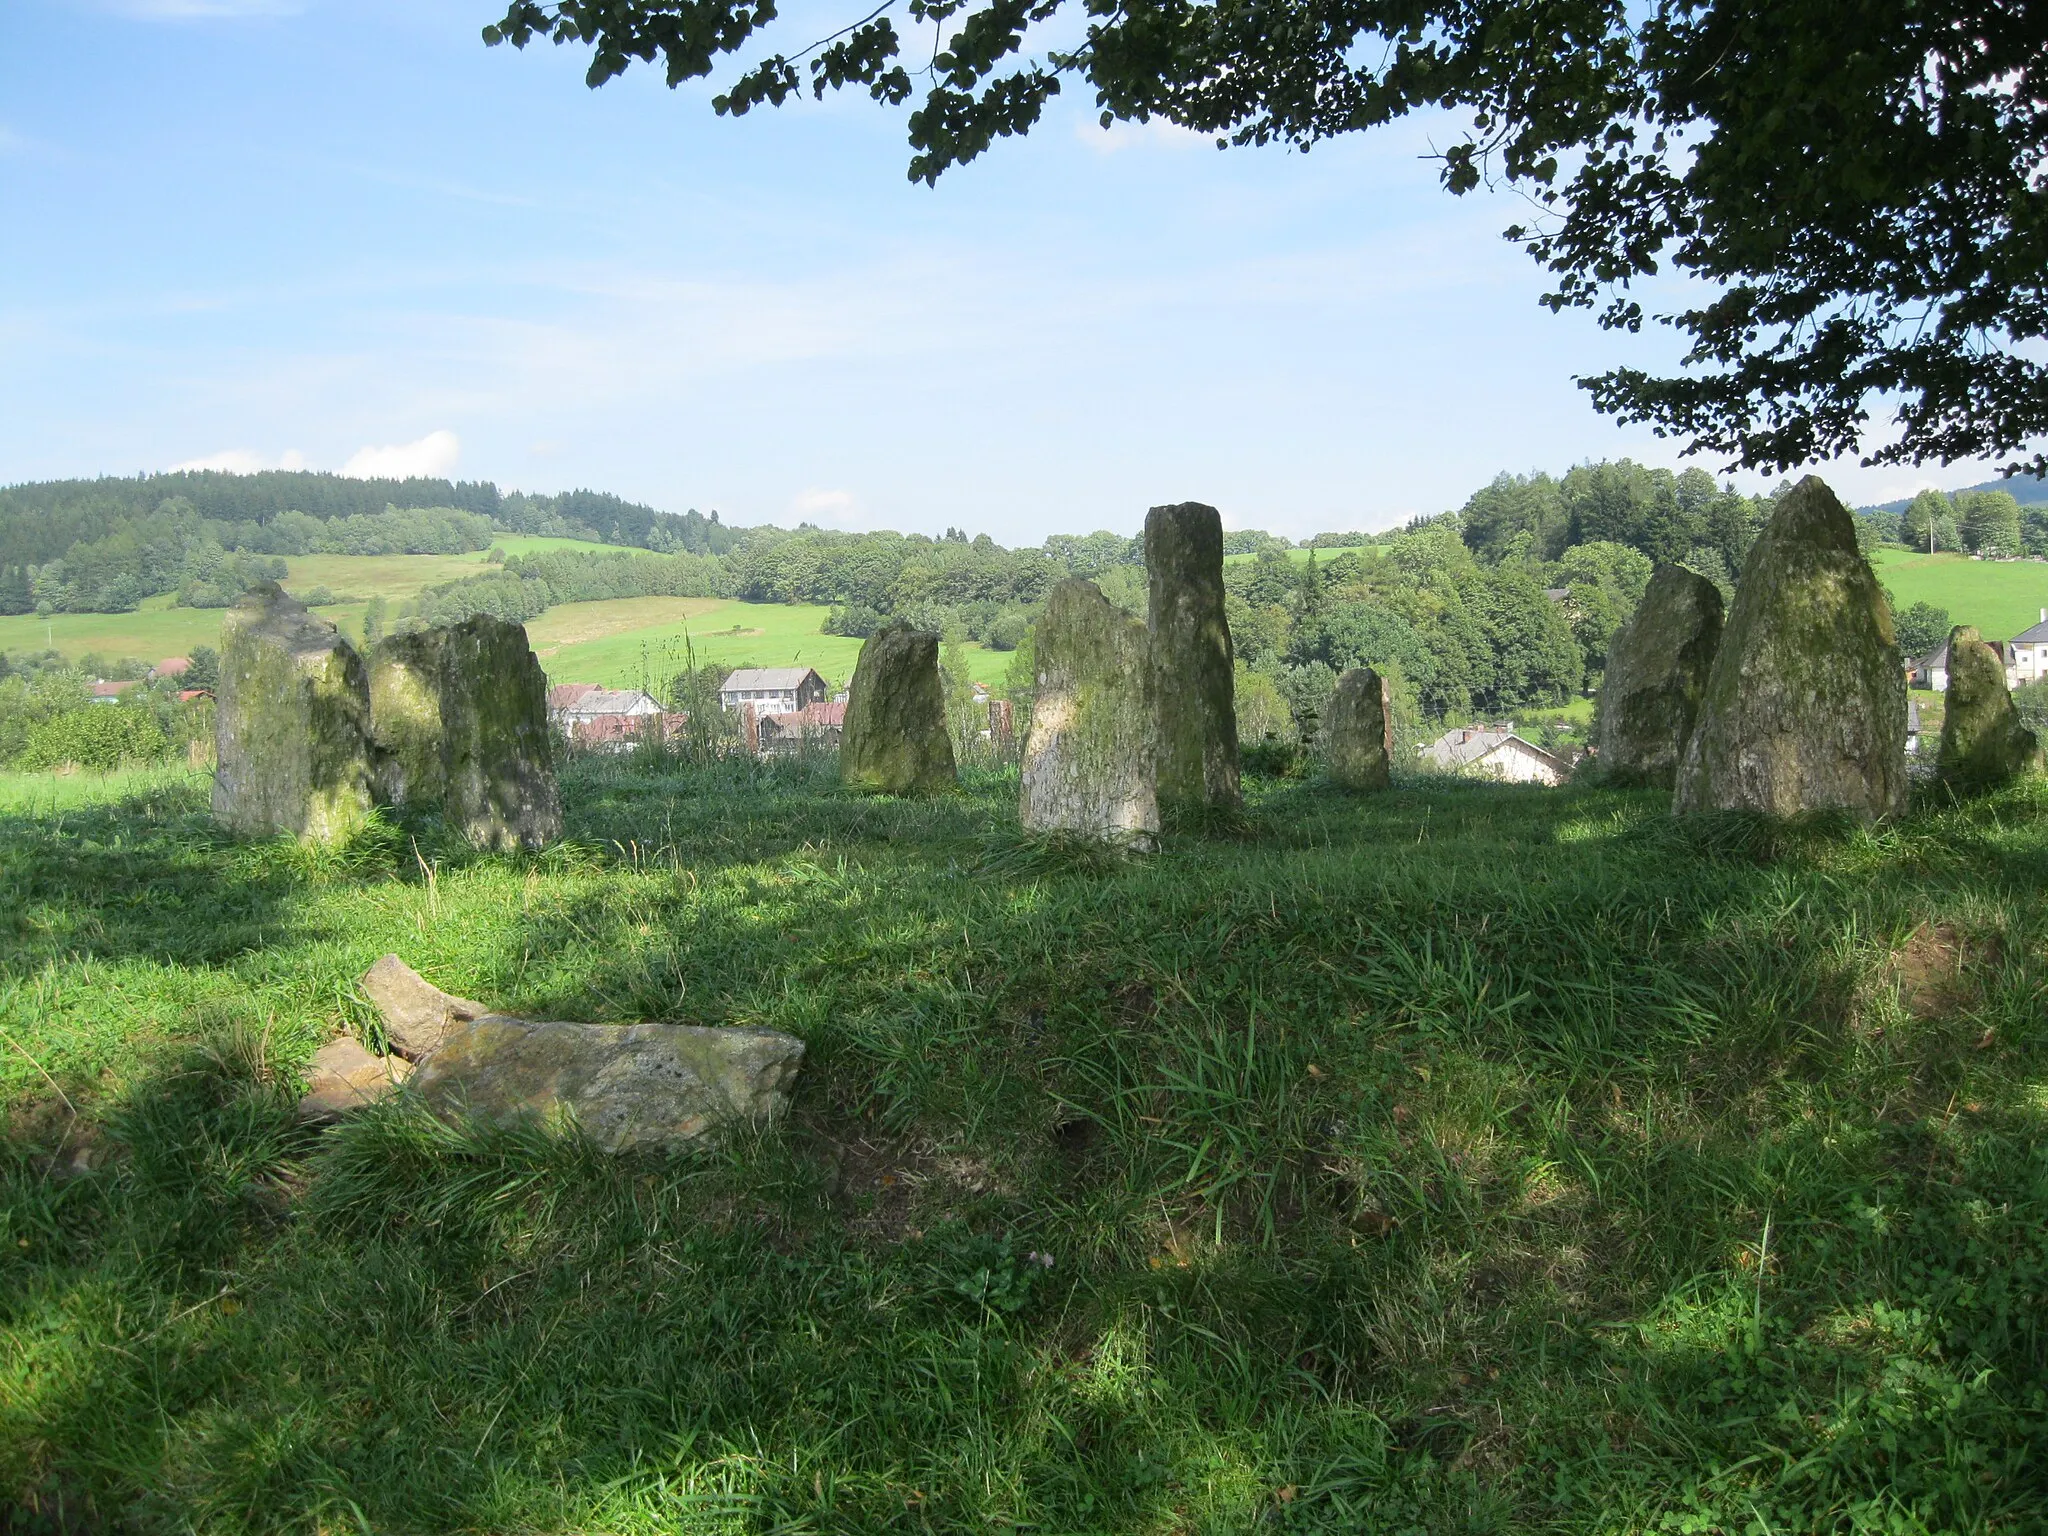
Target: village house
(818, 725)
(773, 690)
(591, 715)
(110, 693)
(2030, 653)
(168, 668)
(1495, 752)
(1931, 670)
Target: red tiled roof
(171, 666)
(110, 690)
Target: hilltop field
(1459, 1159)
(620, 642)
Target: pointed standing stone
(1983, 741)
(1192, 678)
(1089, 755)
(1359, 730)
(291, 722)
(1657, 667)
(1805, 707)
(460, 719)
(895, 739)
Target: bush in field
(95, 736)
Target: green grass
(2001, 597)
(1463, 1159)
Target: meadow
(1459, 1159)
(2000, 597)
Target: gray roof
(1456, 749)
(601, 701)
(771, 679)
(2038, 635)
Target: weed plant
(1463, 1158)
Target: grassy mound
(1459, 1159)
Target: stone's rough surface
(417, 1014)
(1805, 706)
(895, 738)
(1089, 756)
(1657, 668)
(346, 1078)
(627, 1086)
(291, 723)
(405, 718)
(1191, 657)
(1983, 742)
(461, 722)
(1359, 731)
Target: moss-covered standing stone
(895, 739)
(1657, 669)
(291, 722)
(460, 719)
(1359, 731)
(1805, 707)
(1983, 741)
(1192, 676)
(1089, 757)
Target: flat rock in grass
(626, 1086)
(1359, 731)
(291, 722)
(345, 1078)
(1193, 687)
(1983, 741)
(1657, 669)
(1805, 706)
(1089, 756)
(459, 714)
(417, 1014)
(895, 739)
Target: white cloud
(1153, 134)
(243, 461)
(434, 454)
(815, 506)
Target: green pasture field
(1463, 1159)
(2001, 597)
(649, 645)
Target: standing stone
(1089, 755)
(1192, 684)
(1983, 742)
(1805, 707)
(1359, 730)
(1657, 667)
(895, 738)
(291, 722)
(460, 720)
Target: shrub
(97, 736)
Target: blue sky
(345, 235)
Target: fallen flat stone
(417, 1014)
(1805, 705)
(345, 1078)
(895, 739)
(291, 722)
(1193, 682)
(626, 1086)
(1657, 669)
(1089, 755)
(1984, 743)
(1359, 731)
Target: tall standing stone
(460, 719)
(1192, 679)
(1657, 668)
(1089, 757)
(291, 722)
(895, 739)
(1805, 707)
(1359, 731)
(1983, 741)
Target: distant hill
(2027, 490)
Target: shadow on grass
(1462, 1159)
